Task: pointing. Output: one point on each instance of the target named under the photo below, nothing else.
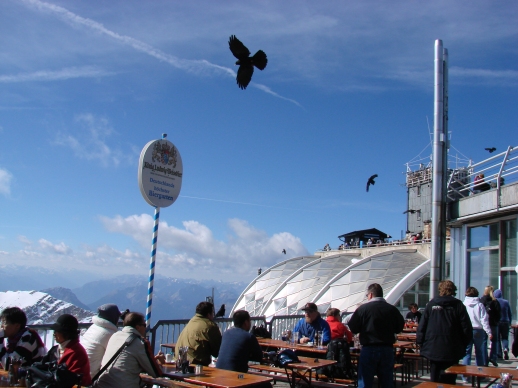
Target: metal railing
(280, 323)
(167, 331)
(46, 333)
(498, 170)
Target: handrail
(498, 170)
(168, 330)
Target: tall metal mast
(440, 169)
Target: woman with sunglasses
(135, 358)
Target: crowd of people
(102, 357)
(447, 331)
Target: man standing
(444, 332)
(201, 335)
(310, 324)
(238, 346)
(378, 322)
(506, 317)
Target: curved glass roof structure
(337, 280)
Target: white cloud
(194, 246)
(60, 248)
(191, 251)
(48, 75)
(500, 77)
(5, 182)
(89, 141)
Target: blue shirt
(308, 329)
(237, 348)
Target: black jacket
(377, 322)
(444, 330)
(492, 308)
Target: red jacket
(77, 360)
(338, 329)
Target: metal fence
(281, 323)
(167, 331)
(498, 170)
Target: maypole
(151, 280)
(160, 180)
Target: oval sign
(160, 171)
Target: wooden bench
(164, 382)
(284, 375)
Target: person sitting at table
(22, 342)
(238, 346)
(414, 314)
(201, 335)
(312, 323)
(69, 351)
(135, 358)
(338, 329)
(96, 338)
(377, 322)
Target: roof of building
(365, 234)
(336, 281)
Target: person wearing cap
(20, 341)
(70, 351)
(96, 338)
(377, 322)
(310, 324)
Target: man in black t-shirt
(414, 314)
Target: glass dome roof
(338, 281)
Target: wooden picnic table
(480, 372)
(4, 378)
(429, 384)
(297, 372)
(407, 337)
(165, 382)
(217, 378)
(269, 343)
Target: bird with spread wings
(245, 61)
(371, 181)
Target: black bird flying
(411, 211)
(371, 181)
(284, 251)
(491, 150)
(245, 61)
(221, 312)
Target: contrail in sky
(243, 203)
(192, 66)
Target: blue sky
(84, 85)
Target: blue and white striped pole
(152, 270)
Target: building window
(492, 258)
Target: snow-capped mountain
(41, 308)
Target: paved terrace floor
(511, 363)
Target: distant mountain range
(173, 298)
(41, 307)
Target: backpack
(52, 375)
(338, 350)
(282, 358)
(494, 311)
(260, 331)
